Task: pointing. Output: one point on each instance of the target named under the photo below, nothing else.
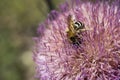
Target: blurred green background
(19, 20)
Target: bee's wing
(70, 23)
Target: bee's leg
(78, 42)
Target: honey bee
(75, 28)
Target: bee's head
(78, 25)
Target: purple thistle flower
(96, 58)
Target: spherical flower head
(97, 57)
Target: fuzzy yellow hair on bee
(70, 31)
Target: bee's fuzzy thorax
(98, 55)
